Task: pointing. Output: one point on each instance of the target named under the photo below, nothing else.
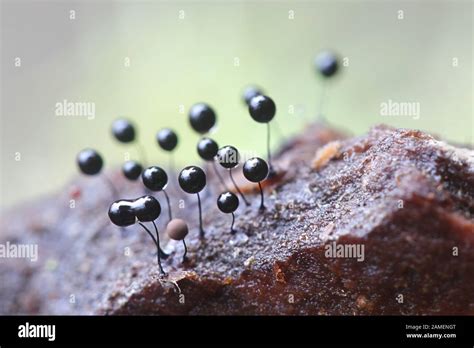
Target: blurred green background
(182, 52)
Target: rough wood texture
(406, 197)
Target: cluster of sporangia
(192, 179)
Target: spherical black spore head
(132, 170)
(89, 161)
(123, 130)
(192, 179)
(202, 118)
(255, 169)
(250, 92)
(228, 157)
(121, 213)
(327, 64)
(262, 108)
(146, 208)
(207, 149)
(227, 202)
(155, 178)
(167, 139)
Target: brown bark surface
(405, 196)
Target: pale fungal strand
(325, 154)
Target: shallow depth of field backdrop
(182, 52)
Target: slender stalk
(201, 230)
(219, 176)
(169, 205)
(149, 233)
(185, 251)
(163, 255)
(157, 244)
(262, 205)
(237, 188)
(232, 225)
(271, 171)
(269, 155)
